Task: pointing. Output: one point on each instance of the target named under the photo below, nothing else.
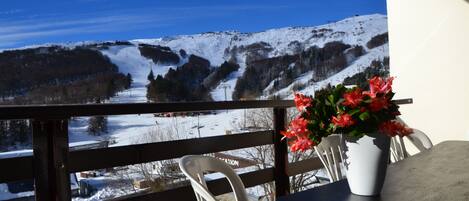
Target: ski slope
(213, 46)
(127, 129)
(130, 129)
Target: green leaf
(364, 116)
(331, 99)
(354, 111)
(356, 134)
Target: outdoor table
(441, 173)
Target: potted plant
(367, 120)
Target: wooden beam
(142, 153)
(304, 166)
(15, 169)
(74, 110)
(217, 187)
(50, 147)
(282, 182)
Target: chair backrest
(194, 168)
(330, 152)
(418, 138)
(397, 151)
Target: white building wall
(429, 52)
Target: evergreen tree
(151, 76)
(19, 131)
(3, 134)
(129, 81)
(110, 88)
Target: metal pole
(245, 119)
(225, 93)
(198, 124)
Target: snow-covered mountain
(355, 31)
(218, 47)
(285, 50)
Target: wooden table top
(441, 173)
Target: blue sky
(27, 22)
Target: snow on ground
(107, 187)
(129, 60)
(128, 129)
(5, 194)
(224, 90)
(219, 93)
(357, 66)
(207, 45)
(105, 193)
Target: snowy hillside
(130, 129)
(218, 47)
(214, 46)
(355, 30)
(358, 66)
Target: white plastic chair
(194, 168)
(418, 138)
(330, 152)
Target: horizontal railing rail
(8, 112)
(102, 158)
(142, 153)
(217, 187)
(77, 110)
(52, 161)
(221, 186)
(16, 169)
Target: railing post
(50, 145)
(282, 182)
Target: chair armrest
(420, 140)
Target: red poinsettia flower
(393, 128)
(362, 109)
(343, 120)
(379, 85)
(301, 144)
(353, 98)
(378, 104)
(302, 101)
(287, 134)
(298, 127)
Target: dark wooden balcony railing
(52, 161)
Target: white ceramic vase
(366, 162)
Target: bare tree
(262, 119)
(157, 175)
